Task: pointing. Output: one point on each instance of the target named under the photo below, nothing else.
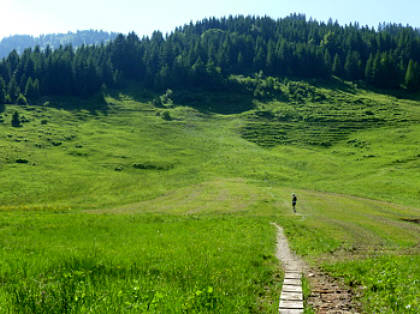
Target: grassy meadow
(137, 208)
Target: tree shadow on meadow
(221, 102)
(133, 90)
(335, 84)
(95, 105)
(397, 93)
(338, 84)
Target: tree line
(204, 54)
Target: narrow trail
(291, 298)
(327, 295)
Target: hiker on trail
(294, 200)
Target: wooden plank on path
(290, 311)
(294, 275)
(296, 282)
(291, 296)
(291, 305)
(292, 288)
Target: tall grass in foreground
(72, 263)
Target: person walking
(294, 200)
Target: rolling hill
(162, 202)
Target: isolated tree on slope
(16, 120)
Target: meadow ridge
(136, 207)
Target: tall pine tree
(369, 73)
(411, 80)
(32, 89)
(2, 92)
(352, 66)
(13, 89)
(337, 67)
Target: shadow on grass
(397, 93)
(94, 104)
(135, 90)
(221, 102)
(338, 84)
(351, 87)
(335, 84)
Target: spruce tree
(13, 89)
(410, 80)
(369, 75)
(35, 89)
(417, 75)
(352, 66)
(32, 89)
(337, 68)
(376, 70)
(328, 62)
(269, 62)
(240, 62)
(390, 71)
(28, 88)
(2, 95)
(198, 73)
(2, 92)
(16, 120)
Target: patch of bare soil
(329, 295)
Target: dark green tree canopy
(204, 54)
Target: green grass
(306, 291)
(390, 283)
(121, 210)
(134, 263)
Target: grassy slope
(105, 263)
(199, 167)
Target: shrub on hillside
(8, 99)
(22, 161)
(149, 165)
(157, 102)
(21, 100)
(16, 120)
(166, 116)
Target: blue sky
(51, 16)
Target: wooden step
(298, 305)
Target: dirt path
(327, 294)
(291, 298)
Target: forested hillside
(157, 191)
(21, 42)
(205, 54)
